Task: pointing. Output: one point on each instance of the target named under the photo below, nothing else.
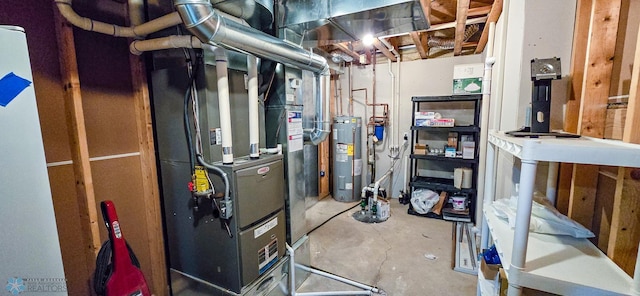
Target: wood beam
(461, 21)
(74, 112)
(625, 233)
(151, 195)
(426, 9)
(494, 15)
(442, 26)
(384, 50)
(420, 40)
(481, 10)
(594, 93)
(578, 60)
(343, 46)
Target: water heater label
(357, 167)
(264, 228)
(350, 150)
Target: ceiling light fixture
(367, 40)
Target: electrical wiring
(331, 218)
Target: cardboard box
(489, 271)
(467, 79)
(420, 149)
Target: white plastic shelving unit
(555, 264)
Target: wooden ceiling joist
(384, 50)
(479, 11)
(494, 14)
(461, 23)
(426, 9)
(420, 40)
(345, 49)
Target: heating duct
(209, 26)
(449, 43)
(204, 22)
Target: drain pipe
(254, 127)
(224, 105)
(395, 90)
(142, 30)
(137, 47)
(211, 27)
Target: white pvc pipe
(337, 278)
(142, 30)
(396, 105)
(254, 125)
(224, 105)
(405, 172)
(484, 121)
(393, 85)
(137, 47)
(552, 182)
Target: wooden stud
(594, 97)
(420, 40)
(151, 195)
(78, 142)
(578, 60)
(625, 234)
(494, 15)
(461, 21)
(598, 67)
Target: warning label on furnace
(295, 139)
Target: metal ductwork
(204, 22)
(334, 21)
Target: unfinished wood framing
(151, 195)
(420, 40)
(494, 15)
(461, 21)
(384, 50)
(78, 142)
(578, 60)
(344, 48)
(625, 233)
(596, 82)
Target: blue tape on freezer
(11, 85)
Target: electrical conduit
(254, 127)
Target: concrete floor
(391, 255)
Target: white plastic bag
(423, 200)
(544, 217)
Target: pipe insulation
(209, 26)
(142, 30)
(224, 105)
(254, 126)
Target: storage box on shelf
(444, 134)
(555, 264)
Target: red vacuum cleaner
(117, 268)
